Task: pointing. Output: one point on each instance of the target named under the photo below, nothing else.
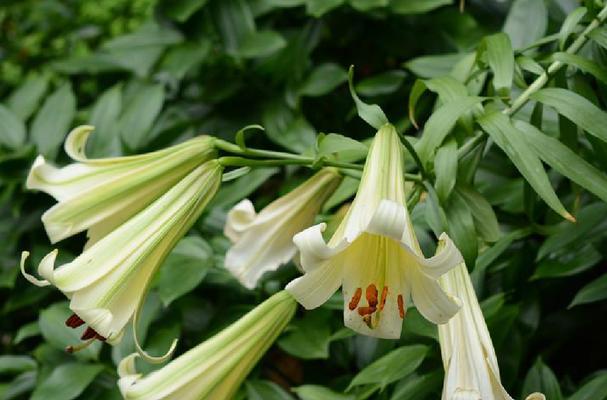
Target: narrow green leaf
(53, 121)
(433, 66)
(485, 220)
(25, 99)
(12, 129)
(261, 44)
(370, 113)
(572, 262)
(418, 386)
(530, 65)
(599, 35)
(105, 140)
(345, 148)
(367, 5)
(27, 331)
(526, 22)
(460, 227)
(583, 64)
(564, 160)
(592, 292)
(440, 124)
(512, 142)
(10, 364)
(540, 378)
(577, 109)
(595, 389)
(316, 392)
(571, 22)
(447, 88)
(417, 6)
(445, 169)
(393, 366)
(66, 382)
(140, 113)
(181, 10)
(265, 390)
(500, 58)
(318, 8)
(385, 83)
(323, 79)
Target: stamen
(80, 346)
(355, 299)
(89, 333)
(74, 321)
(401, 306)
(367, 319)
(371, 295)
(362, 311)
(384, 295)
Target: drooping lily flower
(374, 254)
(108, 281)
(264, 241)
(471, 369)
(215, 368)
(99, 194)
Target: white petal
(443, 261)
(431, 301)
(466, 394)
(536, 396)
(31, 278)
(315, 287)
(313, 248)
(240, 217)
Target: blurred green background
(148, 73)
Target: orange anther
(384, 295)
(371, 294)
(401, 306)
(366, 310)
(355, 299)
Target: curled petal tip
(31, 278)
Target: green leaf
(261, 44)
(105, 140)
(417, 6)
(265, 390)
(182, 10)
(500, 58)
(485, 220)
(440, 124)
(238, 189)
(595, 389)
(512, 142)
(571, 22)
(576, 108)
(235, 22)
(15, 364)
(346, 189)
(445, 169)
(573, 261)
(460, 227)
(318, 8)
(316, 392)
(66, 382)
(323, 79)
(184, 268)
(367, 5)
(418, 387)
(526, 22)
(385, 83)
(433, 66)
(308, 338)
(599, 35)
(52, 325)
(564, 160)
(25, 99)
(288, 128)
(140, 113)
(345, 148)
(370, 113)
(12, 129)
(592, 292)
(394, 366)
(53, 121)
(447, 88)
(540, 378)
(27, 331)
(583, 64)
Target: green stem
(235, 149)
(539, 82)
(232, 161)
(413, 153)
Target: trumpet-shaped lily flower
(471, 369)
(215, 368)
(107, 282)
(264, 241)
(99, 194)
(374, 254)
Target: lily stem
(539, 82)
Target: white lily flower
(264, 241)
(374, 254)
(471, 369)
(214, 369)
(99, 194)
(108, 281)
